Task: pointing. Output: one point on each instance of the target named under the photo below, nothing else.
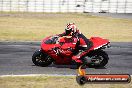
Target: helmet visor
(68, 31)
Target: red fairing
(66, 47)
(64, 57)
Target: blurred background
(101, 6)
(32, 20)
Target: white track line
(34, 75)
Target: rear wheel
(41, 59)
(99, 59)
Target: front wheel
(41, 59)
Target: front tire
(41, 59)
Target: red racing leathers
(82, 43)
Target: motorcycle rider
(82, 43)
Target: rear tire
(100, 55)
(41, 59)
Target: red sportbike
(61, 50)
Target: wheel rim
(40, 59)
(97, 59)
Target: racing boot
(76, 57)
(85, 60)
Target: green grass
(35, 26)
(51, 82)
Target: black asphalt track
(114, 15)
(15, 59)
